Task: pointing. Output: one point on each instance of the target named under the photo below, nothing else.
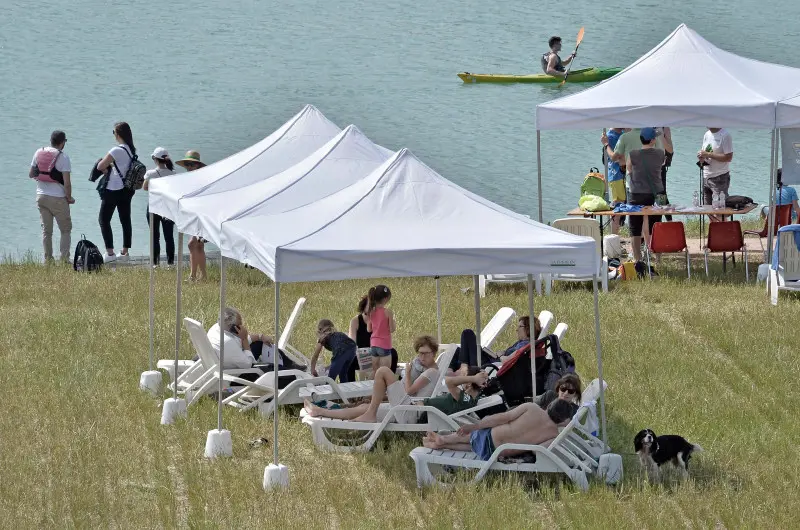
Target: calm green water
(217, 76)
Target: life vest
(45, 170)
(559, 67)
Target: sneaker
(109, 258)
(124, 257)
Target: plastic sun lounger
(485, 279)
(787, 276)
(586, 228)
(392, 417)
(184, 365)
(555, 456)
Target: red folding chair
(727, 236)
(667, 238)
(783, 216)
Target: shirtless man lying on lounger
(525, 424)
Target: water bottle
(79, 264)
(715, 200)
(722, 199)
(695, 200)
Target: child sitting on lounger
(420, 380)
(526, 424)
(342, 347)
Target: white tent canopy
(789, 112)
(684, 81)
(404, 219)
(348, 157)
(299, 137)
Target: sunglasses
(567, 390)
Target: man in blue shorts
(616, 173)
(526, 424)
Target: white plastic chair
(485, 279)
(787, 276)
(586, 228)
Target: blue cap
(648, 134)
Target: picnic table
(654, 210)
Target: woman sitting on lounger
(568, 388)
(420, 380)
(468, 352)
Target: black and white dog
(655, 450)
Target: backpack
(134, 177)
(738, 202)
(514, 377)
(594, 183)
(87, 257)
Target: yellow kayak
(585, 75)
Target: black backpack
(87, 256)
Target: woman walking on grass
(116, 196)
(164, 167)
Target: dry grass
(82, 446)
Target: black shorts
(637, 221)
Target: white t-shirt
(235, 356)
(719, 142)
(52, 189)
(157, 173)
(123, 161)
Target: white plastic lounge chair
(392, 419)
(787, 275)
(284, 342)
(555, 456)
(580, 227)
(496, 325)
(545, 319)
(485, 279)
(209, 360)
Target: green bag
(594, 183)
(593, 203)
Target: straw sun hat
(190, 157)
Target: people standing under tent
(381, 325)
(197, 245)
(51, 168)
(342, 348)
(358, 332)
(164, 167)
(715, 157)
(645, 183)
(551, 61)
(616, 173)
(116, 196)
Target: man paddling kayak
(551, 62)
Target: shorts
(637, 221)
(712, 184)
(375, 351)
(482, 443)
(617, 188)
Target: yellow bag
(627, 271)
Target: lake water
(218, 76)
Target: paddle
(577, 45)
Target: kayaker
(551, 62)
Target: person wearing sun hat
(191, 161)
(164, 167)
(197, 245)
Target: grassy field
(82, 446)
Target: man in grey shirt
(645, 183)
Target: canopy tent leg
(771, 217)
(438, 311)
(539, 170)
(599, 348)
(532, 338)
(475, 288)
(276, 475)
(219, 442)
(178, 315)
(150, 380)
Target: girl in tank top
(380, 323)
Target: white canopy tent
(349, 156)
(295, 140)
(404, 220)
(684, 81)
(789, 112)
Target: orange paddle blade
(580, 37)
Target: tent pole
(539, 170)
(532, 338)
(221, 338)
(179, 282)
(478, 319)
(275, 368)
(771, 217)
(152, 289)
(599, 347)
(438, 311)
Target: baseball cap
(160, 153)
(648, 134)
